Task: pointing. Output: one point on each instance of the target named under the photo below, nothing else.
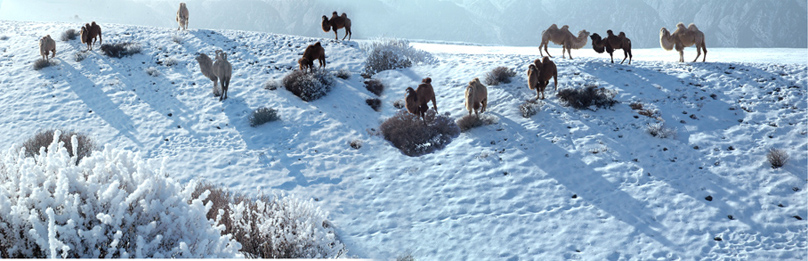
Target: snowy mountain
(744, 24)
(562, 184)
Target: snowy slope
(563, 184)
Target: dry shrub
(659, 130)
(393, 54)
(153, 72)
(499, 75)
(263, 115)
(42, 63)
(308, 86)
(119, 50)
(529, 108)
(69, 34)
(343, 74)
(408, 133)
(79, 56)
(636, 106)
(472, 121)
(399, 104)
(356, 144)
(84, 145)
(374, 103)
(777, 157)
(272, 85)
(272, 226)
(177, 38)
(375, 86)
(591, 95)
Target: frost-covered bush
(308, 86)
(273, 226)
(153, 72)
(43, 139)
(582, 98)
(375, 86)
(393, 54)
(263, 115)
(659, 130)
(408, 133)
(343, 74)
(374, 103)
(177, 38)
(272, 85)
(119, 50)
(529, 108)
(79, 56)
(42, 63)
(69, 34)
(499, 75)
(471, 121)
(777, 158)
(113, 204)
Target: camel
(182, 17)
(89, 32)
(337, 22)
(681, 38)
(223, 69)
(417, 100)
(315, 51)
(612, 43)
(476, 97)
(539, 74)
(564, 38)
(47, 44)
(206, 66)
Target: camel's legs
(698, 53)
(705, 53)
(548, 52)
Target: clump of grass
(119, 50)
(272, 85)
(177, 38)
(79, 56)
(40, 63)
(529, 108)
(69, 34)
(392, 54)
(499, 75)
(343, 74)
(263, 115)
(591, 95)
(777, 157)
(412, 137)
(659, 130)
(471, 121)
(153, 72)
(356, 144)
(374, 103)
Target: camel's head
(665, 40)
(595, 38)
(583, 33)
(597, 43)
(182, 5)
(410, 93)
(326, 25)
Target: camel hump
(680, 25)
(545, 60)
(609, 32)
(317, 44)
(427, 80)
(692, 27)
(93, 23)
(553, 27)
(344, 15)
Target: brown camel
(337, 22)
(564, 38)
(681, 38)
(539, 74)
(89, 32)
(612, 43)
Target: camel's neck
(665, 40)
(580, 41)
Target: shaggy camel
(47, 44)
(612, 43)
(182, 17)
(223, 69)
(476, 97)
(337, 22)
(206, 66)
(564, 38)
(539, 74)
(89, 32)
(417, 100)
(315, 51)
(681, 38)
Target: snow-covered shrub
(472, 121)
(375, 86)
(69, 34)
(153, 72)
(169, 62)
(4, 37)
(308, 86)
(777, 157)
(374, 103)
(407, 132)
(263, 115)
(393, 54)
(177, 38)
(529, 108)
(660, 131)
(42, 63)
(79, 56)
(119, 50)
(39, 143)
(399, 104)
(343, 74)
(356, 144)
(582, 98)
(273, 226)
(113, 204)
(499, 75)
(272, 85)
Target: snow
(563, 184)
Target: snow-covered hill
(563, 184)
(744, 24)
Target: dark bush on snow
(119, 50)
(408, 133)
(777, 158)
(529, 108)
(374, 103)
(308, 86)
(472, 121)
(499, 75)
(375, 86)
(582, 98)
(263, 115)
(42, 63)
(69, 34)
(84, 145)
